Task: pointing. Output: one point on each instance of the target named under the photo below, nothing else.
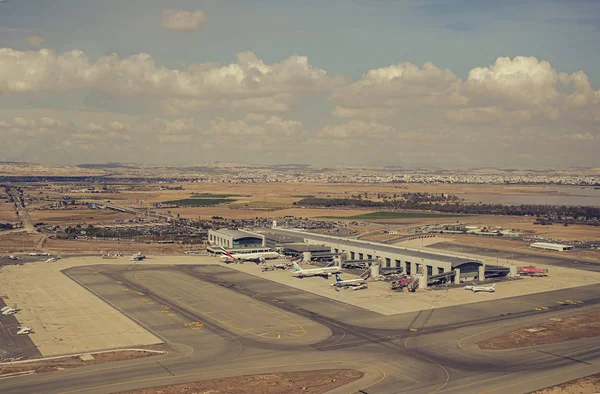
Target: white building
(549, 246)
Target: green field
(210, 195)
(393, 215)
(199, 202)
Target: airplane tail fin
(337, 278)
(297, 267)
(227, 253)
(493, 286)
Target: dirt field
(78, 216)
(72, 362)
(18, 242)
(587, 385)
(313, 382)
(550, 331)
(7, 212)
(74, 247)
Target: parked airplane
(137, 257)
(50, 260)
(299, 272)
(8, 310)
(257, 257)
(348, 282)
(24, 331)
(277, 266)
(13, 257)
(475, 289)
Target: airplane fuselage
(317, 272)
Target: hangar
(235, 239)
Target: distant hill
(105, 165)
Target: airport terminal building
(411, 261)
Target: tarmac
(379, 298)
(219, 321)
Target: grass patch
(199, 202)
(393, 215)
(210, 195)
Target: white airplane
(475, 289)
(6, 311)
(24, 331)
(137, 257)
(50, 260)
(299, 272)
(13, 257)
(257, 257)
(277, 266)
(348, 282)
(39, 254)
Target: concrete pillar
(374, 269)
(337, 261)
(423, 280)
(481, 276)
(513, 273)
(306, 256)
(457, 276)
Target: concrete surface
(379, 298)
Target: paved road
(568, 262)
(220, 322)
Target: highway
(221, 322)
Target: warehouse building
(411, 261)
(549, 246)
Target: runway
(221, 322)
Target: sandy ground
(587, 385)
(76, 246)
(314, 382)
(73, 217)
(7, 212)
(73, 362)
(550, 331)
(18, 242)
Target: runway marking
(431, 361)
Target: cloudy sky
(459, 83)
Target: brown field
(550, 331)
(89, 246)
(18, 242)
(587, 385)
(315, 382)
(78, 216)
(230, 213)
(7, 213)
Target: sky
(462, 83)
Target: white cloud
(35, 41)
(247, 79)
(357, 130)
(182, 20)
(363, 113)
(486, 115)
